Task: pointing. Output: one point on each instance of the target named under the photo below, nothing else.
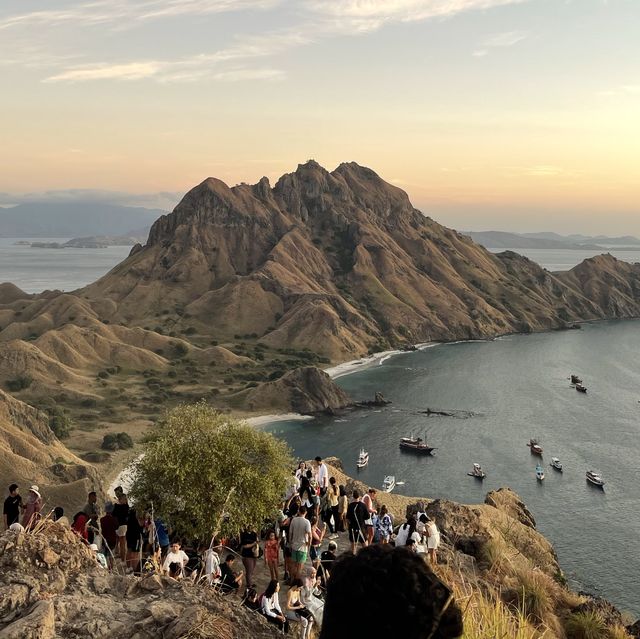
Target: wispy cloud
(624, 89)
(128, 12)
(499, 41)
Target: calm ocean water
(35, 269)
(508, 391)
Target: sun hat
(93, 547)
(35, 489)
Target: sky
(518, 115)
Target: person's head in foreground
(409, 600)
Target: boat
(536, 449)
(556, 463)
(416, 445)
(477, 472)
(575, 379)
(580, 388)
(363, 458)
(595, 478)
(389, 483)
(539, 473)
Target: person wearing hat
(32, 508)
(100, 558)
(12, 505)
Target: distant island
(92, 242)
(548, 240)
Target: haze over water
(516, 387)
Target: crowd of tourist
(313, 513)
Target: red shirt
(109, 524)
(271, 550)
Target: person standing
(357, 515)
(108, 528)
(272, 553)
(368, 501)
(12, 505)
(91, 507)
(333, 495)
(299, 540)
(121, 513)
(343, 504)
(385, 525)
(322, 475)
(32, 508)
(433, 540)
(249, 551)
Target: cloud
(162, 200)
(499, 41)
(622, 90)
(127, 12)
(129, 71)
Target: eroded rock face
(509, 502)
(51, 587)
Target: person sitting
(311, 594)
(251, 600)
(175, 555)
(60, 518)
(176, 570)
(271, 609)
(409, 600)
(229, 580)
(99, 557)
(297, 611)
(326, 563)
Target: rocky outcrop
(507, 501)
(307, 390)
(51, 586)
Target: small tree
(210, 474)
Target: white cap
(93, 547)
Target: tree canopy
(208, 473)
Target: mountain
(239, 285)
(73, 219)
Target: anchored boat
(536, 449)
(539, 473)
(575, 379)
(389, 483)
(363, 458)
(594, 477)
(416, 445)
(477, 472)
(556, 464)
(580, 388)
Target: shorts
(313, 552)
(356, 536)
(299, 556)
(121, 531)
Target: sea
(500, 394)
(37, 269)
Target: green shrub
(19, 383)
(59, 422)
(586, 625)
(117, 441)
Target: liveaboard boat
(556, 464)
(580, 388)
(477, 472)
(388, 484)
(539, 473)
(595, 478)
(416, 445)
(535, 447)
(363, 458)
(575, 379)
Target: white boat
(556, 463)
(363, 458)
(539, 473)
(595, 478)
(389, 483)
(477, 472)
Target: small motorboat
(580, 388)
(477, 472)
(595, 478)
(536, 449)
(539, 473)
(575, 379)
(556, 464)
(389, 483)
(416, 445)
(363, 458)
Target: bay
(504, 392)
(38, 269)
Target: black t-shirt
(121, 513)
(357, 514)
(227, 576)
(12, 509)
(247, 537)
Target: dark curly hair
(395, 584)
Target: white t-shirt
(179, 557)
(323, 475)
(298, 529)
